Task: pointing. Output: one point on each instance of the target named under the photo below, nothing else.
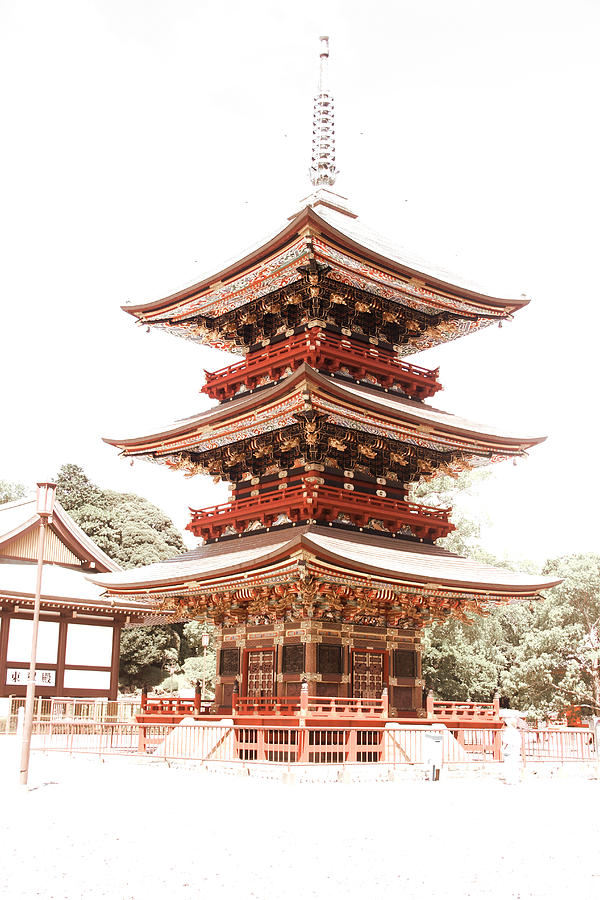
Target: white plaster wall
(19, 641)
(88, 645)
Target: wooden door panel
(367, 674)
(261, 673)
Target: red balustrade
(464, 714)
(174, 706)
(320, 502)
(316, 707)
(325, 351)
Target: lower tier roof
(330, 554)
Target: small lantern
(205, 639)
(46, 495)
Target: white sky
(145, 141)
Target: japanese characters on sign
(43, 677)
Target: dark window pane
(405, 664)
(230, 662)
(329, 659)
(293, 658)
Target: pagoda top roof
(386, 560)
(325, 218)
(20, 516)
(257, 406)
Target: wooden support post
(384, 697)
(303, 703)
(303, 748)
(114, 668)
(430, 699)
(144, 702)
(497, 705)
(234, 697)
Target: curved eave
(305, 219)
(509, 304)
(342, 561)
(236, 568)
(305, 539)
(230, 272)
(304, 372)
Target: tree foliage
(557, 662)
(144, 648)
(129, 528)
(11, 490)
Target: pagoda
(319, 570)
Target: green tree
(542, 656)
(148, 646)
(462, 662)
(556, 662)
(129, 528)
(446, 492)
(74, 489)
(11, 490)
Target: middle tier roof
(310, 402)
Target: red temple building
(319, 569)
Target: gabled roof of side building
(70, 557)
(19, 517)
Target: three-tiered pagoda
(320, 569)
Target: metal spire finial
(322, 169)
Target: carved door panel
(261, 672)
(367, 674)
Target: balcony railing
(313, 707)
(321, 503)
(322, 351)
(466, 712)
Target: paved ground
(130, 831)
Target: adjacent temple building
(320, 569)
